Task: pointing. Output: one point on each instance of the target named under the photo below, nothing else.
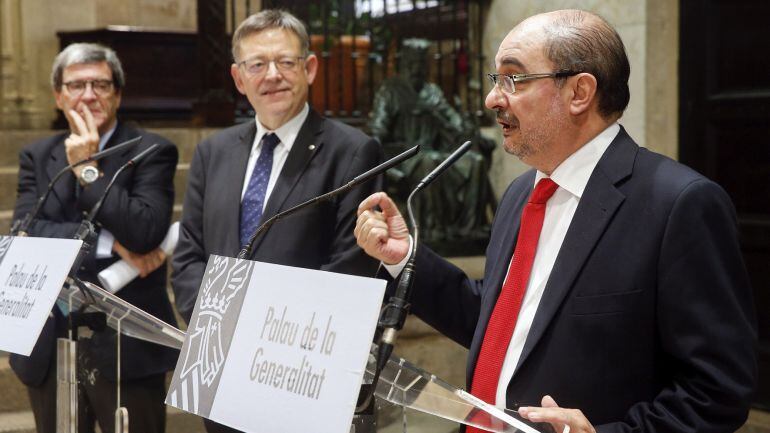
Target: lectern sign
(275, 348)
(32, 272)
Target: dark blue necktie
(254, 198)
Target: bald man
(614, 297)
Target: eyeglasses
(506, 81)
(78, 87)
(259, 65)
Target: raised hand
(382, 233)
(83, 140)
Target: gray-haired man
(87, 82)
(288, 154)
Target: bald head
(580, 41)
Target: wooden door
(724, 78)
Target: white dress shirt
(287, 133)
(572, 177)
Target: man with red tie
(614, 283)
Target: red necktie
(503, 320)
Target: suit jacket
(325, 155)
(137, 211)
(646, 322)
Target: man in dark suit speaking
(614, 282)
(245, 174)
(87, 81)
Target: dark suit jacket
(325, 155)
(646, 322)
(137, 211)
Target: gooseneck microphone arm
(245, 252)
(86, 231)
(132, 161)
(22, 226)
(395, 312)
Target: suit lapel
(307, 144)
(64, 189)
(110, 164)
(596, 209)
(232, 179)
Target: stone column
(16, 88)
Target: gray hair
(80, 53)
(584, 42)
(271, 19)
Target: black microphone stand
(363, 418)
(87, 231)
(67, 388)
(361, 178)
(396, 310)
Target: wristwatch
(88, 175)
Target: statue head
(414, 62)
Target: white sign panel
(275, 348)
(32, 272)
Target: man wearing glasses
(288, 154)
(614, 297)
(87, 82)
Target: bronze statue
(407, 110)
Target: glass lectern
(404, 384)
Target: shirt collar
(287, 132)
(573, 174)
(106, 137)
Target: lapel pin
(311, 147)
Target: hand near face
(144, 263)
(561, 419)
(83, 140)
(382, 234)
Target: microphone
(21, 226)
(395, 312)
(132, 161)
(86, 231)
(361, 178)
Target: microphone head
(114, 149)
(144, 153)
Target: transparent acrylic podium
(123, 316)
(404, 384)
(125, 319)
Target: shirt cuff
(395, 270)
(104, 244)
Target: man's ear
(583, 93)
(59, 100)
(235, 72)
(311, 68)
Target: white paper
(120, 273)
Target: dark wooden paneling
(161, 67)
(725, 129)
